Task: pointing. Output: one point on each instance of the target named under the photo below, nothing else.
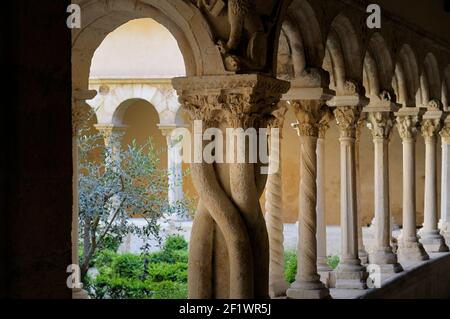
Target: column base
(308, 290)
(446, 235)
(278, 289)
(384, 269)
(325, 276)
(80, 294)
(363, 256)
(411, 251)
(351, 276)
(433, 242)
(383, 256)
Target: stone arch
(378, 66)
(183, 20)
(431, 82)
(343, 53)
(407, 77)
(304, 33)
(111, 104)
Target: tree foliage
(114, 185)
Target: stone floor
(133, 244)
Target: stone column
(350, 273)
(274, 212)
(174, 165)
(430, 235)
(112, 135)
(409, 247)
(445, 182)
(362, 253)
(80, 114)
(322, 264)
(382, 259)
(307, 283)
(233, 262)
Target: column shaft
(322, 265)
(431, 238)
(274, 223)
(350, 273)
(445, 189)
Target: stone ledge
(419, 280)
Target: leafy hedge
(159, 275)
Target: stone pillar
(431, 238)
(445, 181)
(322, 263)
(350, 273)
(409, 247)
(233, 262)
(174, 165)
(362, 253)
(112, 135)
(80, 114)
(382, 259)
(274, 212)
(307, 283)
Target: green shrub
(176, 242)
(128, 288)
(104, 258)
(128, 266)
(290, 266)
(167, 272)
(333, 261)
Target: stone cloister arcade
(244, 68)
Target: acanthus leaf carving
(312, 117)
(380, 124)
(347, 119)
(407, 126)
(430, 128)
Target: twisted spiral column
(274, 212)
(307, 284)
(231, 258)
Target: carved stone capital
(408, 126)
(445, 132)
(111, 133)
(242, 101)
(380, 124)
(81, 111)
(430, 128)
(311, 116)
(347, 118)
(278, 118)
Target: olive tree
(115, 185)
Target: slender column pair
(430, 235)
(350, 273)
(444, 224)
(307, 284)
(174, 166)
(409, 247)
(380, 118)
